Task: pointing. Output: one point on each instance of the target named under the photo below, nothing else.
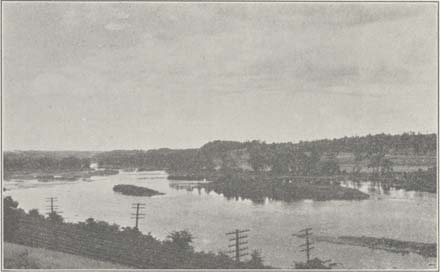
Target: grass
(24, 257)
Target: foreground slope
(24, 257)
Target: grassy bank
(25, 257)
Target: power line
(52, 208)
(238, 240)
(137, 215)
(305, 233)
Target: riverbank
(48, 176)
(420, 180)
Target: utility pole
(52, 207)
(238, 239)
(137, 215)
(305, 233)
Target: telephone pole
(305, 233)
(238, 239)
(137, 215)
(52, 207)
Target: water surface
(389, 213)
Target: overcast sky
(100, 76)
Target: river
(395, 214)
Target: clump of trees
(128, 189)
(24, 161)
(258, 189)
(11, 217)
(421, 180)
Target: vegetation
(133, 190)
(35, 161)
(419, 181)
(186, 177)
(50, 166)
(304, 158)
(11, 216)
(100, 240)
(405, 144)
(376, 155)
(25, 257)
(257, 189)
(21, 260)
(314, 263)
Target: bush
(11, 216)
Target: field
(22, 257)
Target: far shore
(68, 175)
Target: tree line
(303, 158)
(19, 161)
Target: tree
(329, 166)
(359, 156)
(375, 161)
(182, 239)
(256, 260)
(11, 218)
(35, 214)
(312, 162)
(280, 163)
(55, 217)
(259, 155)
(386, 167)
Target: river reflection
(377, 188)
(392, 213)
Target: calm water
(388, 213)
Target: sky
(108, 75)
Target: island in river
(133, 190)
(257, 187)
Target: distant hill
(409, 150)
(46, 160)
